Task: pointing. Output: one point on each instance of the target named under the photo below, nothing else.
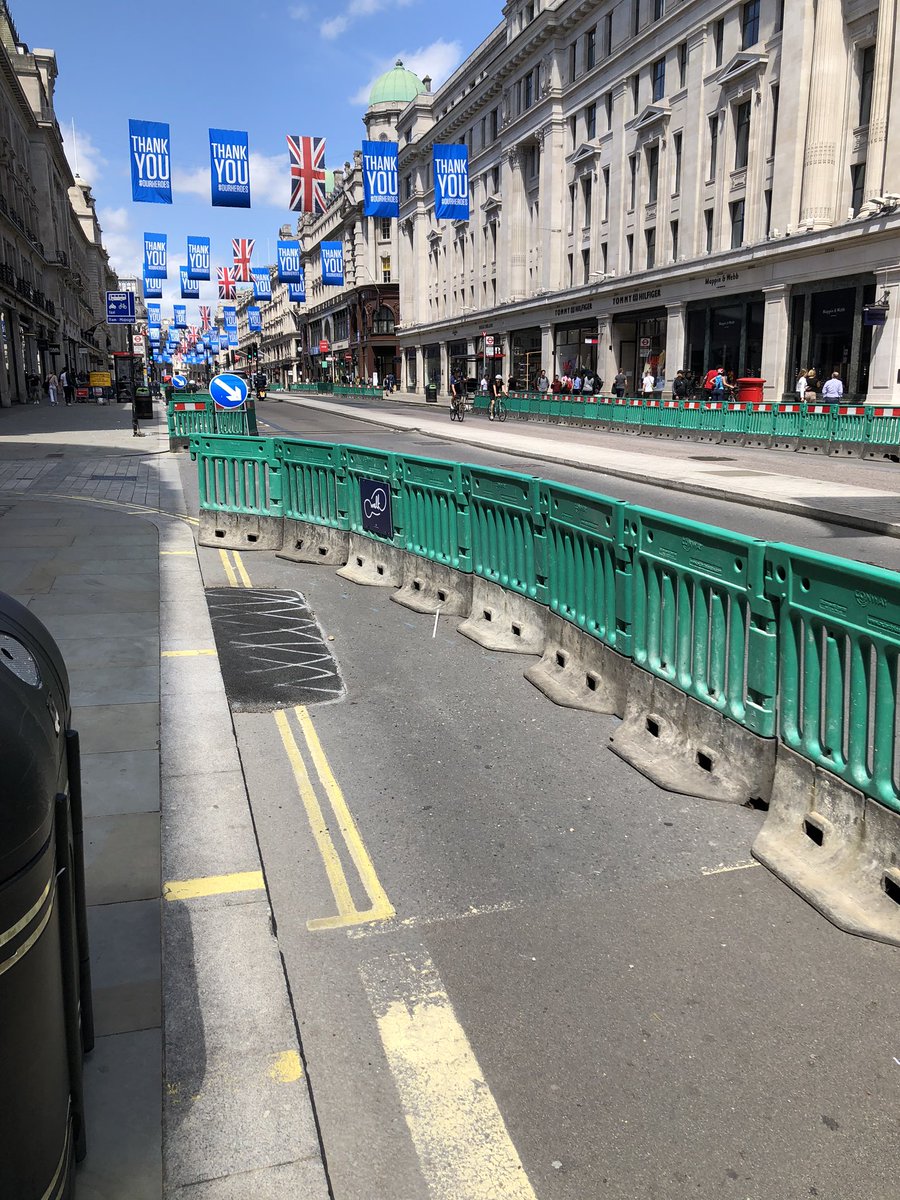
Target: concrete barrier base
(883, 453)
(430, 586)
(835, 847)
(305, 542)
(374, 564)
(179, 443)
(501, 620)
(240, 531)
(577, 671)
(687, 747)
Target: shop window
(659, 79)
(590, 49)
(676, 182)
(736, 210)
(650, 238)
(682, 64)
(719, 40)
(652, 173)
(713, 147)
(708, 223)
(857, 187)
(673, 232)
(750, 24)
(742, 135)
(866, 83)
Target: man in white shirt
(833, 388)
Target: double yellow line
(379, 907)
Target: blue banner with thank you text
(151, 164)
(229, 162)
(381, 181)
(451, 183)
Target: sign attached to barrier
(375, 502)
(228, 391)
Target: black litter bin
(431, 393)
(45, 1011)
(143, 404)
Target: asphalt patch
(272, 653)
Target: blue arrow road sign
(120, 308)
(228, 391)
(179, 382)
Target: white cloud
(83, 156)
(438, 59)
(269, 181)
(356, 9)
(298, 12)
(124, 246)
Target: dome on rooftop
(397, 86)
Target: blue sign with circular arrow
(179, 383)
(228, 391)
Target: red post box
(750, 391)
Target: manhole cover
(271, 650)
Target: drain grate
(709, 458)
(117, 478)
(271, 650)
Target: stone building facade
(54, 270)
(662, 184)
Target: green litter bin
(143, 404)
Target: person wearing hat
(496, 391)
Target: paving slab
(110, 727)
(217, 803)
(125, 966)
(122, 857)
(122, 782)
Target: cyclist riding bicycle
(496, 394)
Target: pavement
(199, 1085)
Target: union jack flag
(204, 315)
(243, 250)
(227, 277)
(307, 174)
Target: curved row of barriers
(863, 430)
(747, 671)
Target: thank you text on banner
(190, 288)
(451, 183)
(179, 313)
(155, 255)
(152, 286)
(198, 257)
(151, 165)
(254, 318)
(297, 291)
(262, 285)
(381, 185)
(229, 317)
(289, 269)
(229, 160)
(333, 263)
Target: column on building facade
(884, 387)
(694, 149)
(618, 264)
(445, 369)
(20, 370)
(676, 330)
(823, 129)
(512, 263)
(547, 347)
(420, 370)
(552, 140)
(881, 99)
(776, 328)
(606, 359)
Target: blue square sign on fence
(120, 308)
(375, 501)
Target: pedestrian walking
(647, 383)
(710, 380)
(483, 385)
(680, 386)
(801, 385)
(833, 388)
(67, 380)
(577, 384)
(53, 388)
(620, 383)
(543, 383)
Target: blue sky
(271, 67)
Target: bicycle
(457, 408)
(499, 409)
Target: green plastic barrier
(817, 423)
(619, 419)
(839, 646)
(189, 416)
(761, 421)
(651, 416)
(734, 421)
(314, 482)
(691, 411)
(230, 421)
(589, 573)
(365, 392)
(851, 424)
(634, 413)
(701, 621)
(606, 410)
(481, 402)
(544, 404)
(884, 429)
(364, 463)
(788, 422)
(238, 474)
(509, 544)
(712, 417)
(436, 509)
